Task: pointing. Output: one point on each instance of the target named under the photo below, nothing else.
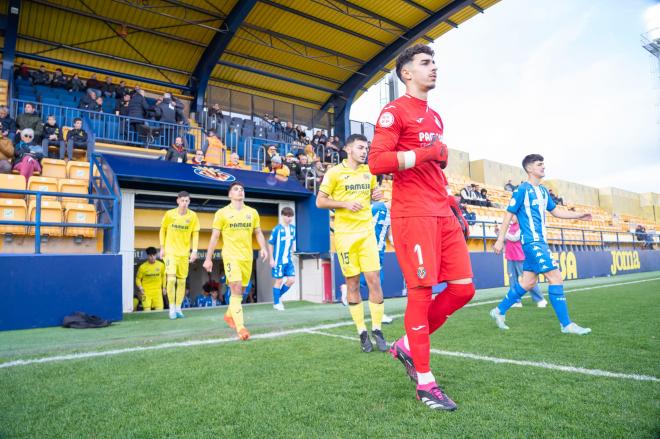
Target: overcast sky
(567, 79)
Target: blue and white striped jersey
(529, 204)
(282, 239)
(381, 220)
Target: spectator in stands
(99, 104)
(309, 152)
(22, 72)
(292, 164)
(187, 303)
(7, 124)
(330, 150)
(277, 125)
(556, 198)
(271, 151)
(40, 77)
(121, 90)
(29, 119)
(109, 89)
(198, 158)
(88, 102)
(470, 217)
(215, 300)
(59, 80)
(642, 235)
(177, 152)
(27, 155)
(214, 150)
(343, 155)
(138, 106)
(300, 133)
(305, 168)
(122, 105)
(6, 153)
(75, 138)
(484, 198)
(319, 171)
(166, 111)
(94, 84)
(76, 83)
(216, 111)
(234, 161)
(278, 168)
(52, 135)
(290, 131)
(469, 194)
(509, 187)
(337, 141)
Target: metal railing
(585, 237)
(113, 128)
(38, 224)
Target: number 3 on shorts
(418, 250)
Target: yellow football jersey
(341, 183)
(237, 227)
(151, 276)
(178, 231)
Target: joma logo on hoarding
(624, 261)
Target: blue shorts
(538, 258)
(284, 270)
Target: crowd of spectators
(643, 236)
(471, 194)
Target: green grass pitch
(304, 384)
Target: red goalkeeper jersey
(405, 124)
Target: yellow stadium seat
(51, 212)
(12, 210)
(80, 213)
(72, 186)
(53, 168)
(78, 170)
(43, 184)
(12, 181)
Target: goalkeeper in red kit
(430, 243)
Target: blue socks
(558, 301)
(277, 292)
(283, 289)
(515, 294)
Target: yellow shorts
(238, 271)
(176, 266)
(153, 299)
(357, 252)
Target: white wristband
(409, 159)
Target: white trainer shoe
(499, 318)
(172, 314)
(279, 307)
(517, 305)
(574, 328)
(387, 319)
(542, 303)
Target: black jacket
(8, 124)
(59, 81)
(79, 137)
(173, 155)
(168, 111)
(54, 129)
(39, 77)
(138, 106)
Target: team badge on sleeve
(386, 119)
(421, 272)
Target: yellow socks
(180, 292)
(171, 285)
(377, 310)
(357, 312)
(236, 311)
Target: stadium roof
(306, 52)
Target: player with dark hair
(238, 223)
(529, 202)
(280, 245)
(430, 244)
(178, 228)
(151, 281)
(349, 188)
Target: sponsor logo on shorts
(421, 272)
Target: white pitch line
(539, 364)
(268, 335)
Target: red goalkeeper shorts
(430, 250)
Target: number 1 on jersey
(418, 249)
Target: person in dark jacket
(88, 102)
(109, 89)
(167, 111)
(7, 124)
(138, 106)
(29, 119)
(22, 72)
(40, 77)
(122, 90)
(59, 80)
(76, 84)
(52, 136)
(94, 84)
(177, 152)
(75, 138)
(27, 155)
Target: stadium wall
(650, 205)
(494, 173)
(40, 290)
(459, 163)
(574, 193)
(620, 201)
(490, 269)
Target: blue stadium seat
(50, 100)
(68, 102)
(77, 95)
